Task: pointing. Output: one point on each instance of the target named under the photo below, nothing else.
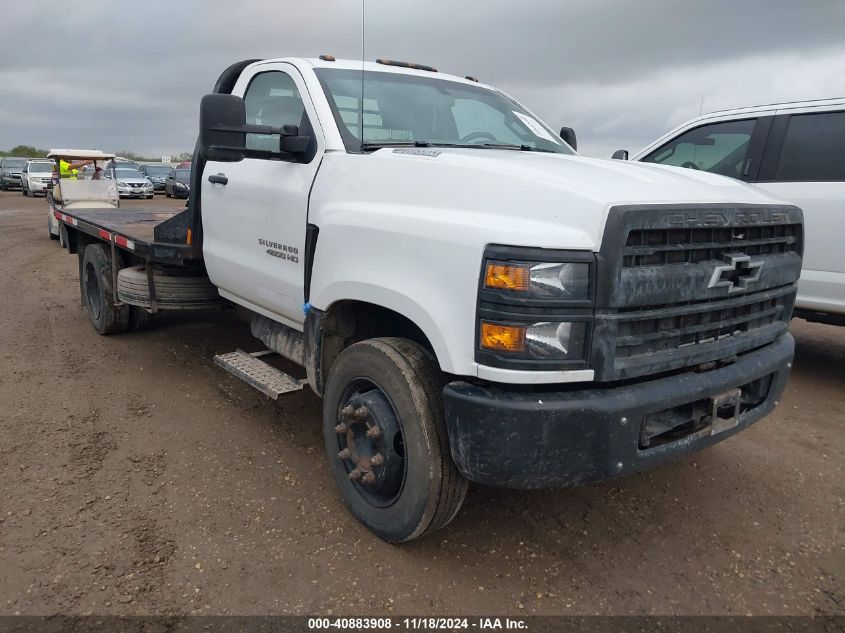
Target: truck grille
(658, 247)
(658, 329)
(680, 287)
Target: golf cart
(89, 189)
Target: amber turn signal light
(501, 276)
(502, 338)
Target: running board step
(267, 379)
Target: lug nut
(377, 459)
(356, 474)
(359, 413)
(369, 478)
(374, 432)
(345, 454)
(341, 428)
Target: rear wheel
(98, 293)
(386, 439)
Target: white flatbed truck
(472, 300)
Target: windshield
(128, 173)
(408, 109)
(157, 171)
(183, 173)
(41, 167)
(14, 163)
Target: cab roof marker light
(391, 62)
(327, 58)
(471, 78)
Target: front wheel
(386, 439)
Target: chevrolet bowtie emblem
(737, 274)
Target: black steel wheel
(386, 439)
(97, 291)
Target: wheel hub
(372, 448)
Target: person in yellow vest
(71, 170)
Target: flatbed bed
(157, 235)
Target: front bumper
(11, 181)
(135, 192)
(548, 439)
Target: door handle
(218, 179)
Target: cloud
(119, 76)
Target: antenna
(361, 104)
(700, 107)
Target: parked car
(120, 161)
(131, 183)
(185, 164)
(36, 176)
(156, 174)
(10, 172)
(795, 151)
(178, 183)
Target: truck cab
(472, 300)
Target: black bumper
(547, 439)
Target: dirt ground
(136, 477)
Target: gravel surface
(139, 478)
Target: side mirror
(291, 142)
(568, 135)
(620, 154)
(222, 128)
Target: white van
(795, 151)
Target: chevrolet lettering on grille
(737, 274)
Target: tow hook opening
(719, 413)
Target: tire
(176, 289)
(399, 386)
(23, 191)
(149, 197)
(167, 194)
(98, 292)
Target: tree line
(28, 151)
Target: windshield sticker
(534, 126)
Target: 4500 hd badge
(282, 251)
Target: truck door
(255, 211)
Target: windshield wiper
(365, 146)
(523, 148)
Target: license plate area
(711, 416)
(725, 411)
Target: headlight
(563, 280)
(544, 340)
(535, 308)
(121, 184)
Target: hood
(532, 198)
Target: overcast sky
(119, 75)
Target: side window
(720, 148)
(813, 148)
(271, 99)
